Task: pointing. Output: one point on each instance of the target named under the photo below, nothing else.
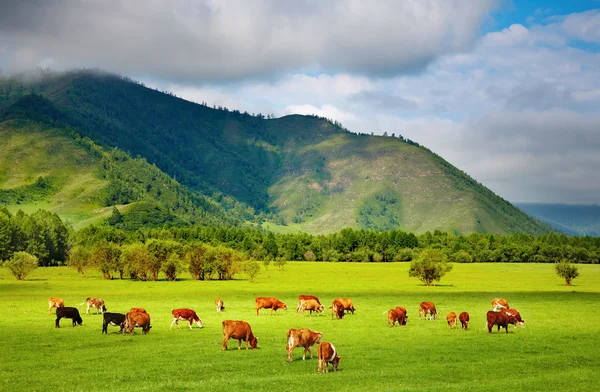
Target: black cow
(68, 312)
(116, 319)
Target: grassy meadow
(557, 350)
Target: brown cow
(499, 303)
(451, 318)
(55, 303)
(185, 314)
(137, 319)
(464, 320)
(327, 354)
(138, 310)
(304, 298)
(348, 305)
(94, 303)
(219, 305)
(239, 330)
(398, 314)
(301, 337)
(269, 303)
(337, 309)
(310, 305)
(427, 308)
(514, 317)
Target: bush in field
(251, 268)
(266, 263)
(462, 256)
(161, 250)
(567, 271)
(21, 264)
(137, 260)
(223, 262)
(430, 266)
(172, 266)
(280, 263)
(106, 257)
(195, 256)
(309, 255)
(79, 259)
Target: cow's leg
(172, 322)
(57, 322)
(191, 321)
(257, 310)
(240, 344)
(225, 339)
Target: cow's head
(78, 320)
(103, 309)
(321, 309)
(336, 362)
(199, 322)
(254, 342)
(319, 336)
(146, 330)
(340, 311)
(282, 305)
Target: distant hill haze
(296, 173)
(570, 219)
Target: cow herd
(501, 316)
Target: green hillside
(303, 172)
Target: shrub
(567, 271)
(172, 266)
(251, 268)
(195, 258)
(431, 266)
(79, 259)
(21, 264)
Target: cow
(219, 305)
(428, 308)
(116, 319)
(514, 317)
(185, 314)
(451, 318)
(269, 303)
(137, 310)
(501, 319)
(337, 309)
(347, 303)
(94, 303)
(499, 303)
(302, 337)
(137, 319)
(240, 330)
(68, 312)
(304, 298)
(310, 305)
(326, 353)
(55, 303)
(397, 314)
(464, 320)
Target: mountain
(570, 219)
(304, 172)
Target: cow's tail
(83, 303)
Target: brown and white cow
(397, 314)
(464, 320)
(514, 317)
(303, 337)
(55, 303)
(451, 318)
(499, 303)
(269, 303)
(138, 310)
(305, 298)
(185, 314)
(428, 309)
(327, 354)
(347, 303)
(137, 319)
(94, 303)
(219, 305)
(501, 319)
(310, 305)
(337, 309)
(240, 330)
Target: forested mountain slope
(313, 175)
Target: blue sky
(506, 91)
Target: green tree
(79, 259)
(116, 217)
(266, 263)
(21, 264)
(161, 250)
(567, 271)
(430, 266)
(280, 263)
(137, 260)
(172, 266)
(251, 268)
(106, 256)
(195, 258)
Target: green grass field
(557, 350)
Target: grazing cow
(428, 308)
(185, 314)
(304, 298)
(301, 337)
(327, 354)
(68, 312)
(116, 319)
(137, 319)
(219, 305)
(337, 309)
(55, 303)
(94, 303)
(310, 305)
(269, 303)
(137, 310)
(347, 303)
(451, 318)
(499, 303)
(464, 320)
(240, 330)
(501, 319)
(398, 314)
(514, 317)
